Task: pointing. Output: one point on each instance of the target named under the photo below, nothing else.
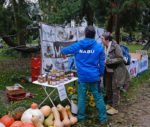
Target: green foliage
(56, 12)
(16, 19)
(9, 53)
(133, 47)
(131, 12)
(7, 14)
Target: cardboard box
(15, 90)
(137, 56)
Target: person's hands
(108, 60)
(63, 56)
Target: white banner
(53, 39)
(143, 64)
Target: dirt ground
(133, 112)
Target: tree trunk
(87, 11)
(89, 14)
(110, 23)
(117, 29)
(19, 29)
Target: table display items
(55, 77)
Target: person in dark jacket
(116, 73)
(89, 57)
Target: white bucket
(74, 107)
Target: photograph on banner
(65, 34)
(81, 33)
(133, 68)
(47, 65)
(67, 64)
(60, 34)
(61, 64)
(99, 32)
(71, 34)
(58, 45)
(47, 33)
(50, 64)
(48, 50)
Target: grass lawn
(6, 58)
(133, 47)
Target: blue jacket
(89, 57)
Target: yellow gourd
(49, 121)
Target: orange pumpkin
(7, 120)
(34, 105)
(28, 125)
(17, 124)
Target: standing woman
(116, 73)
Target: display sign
(143, 64)
(62, 92)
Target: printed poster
(53, 38)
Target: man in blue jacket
(89, 57)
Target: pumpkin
(46, 110)
(64, 114)
(7, 120)
(28, 125)
(17, 124)
(33, 111)
(57, 121)
(72, 118)
(34, 105)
